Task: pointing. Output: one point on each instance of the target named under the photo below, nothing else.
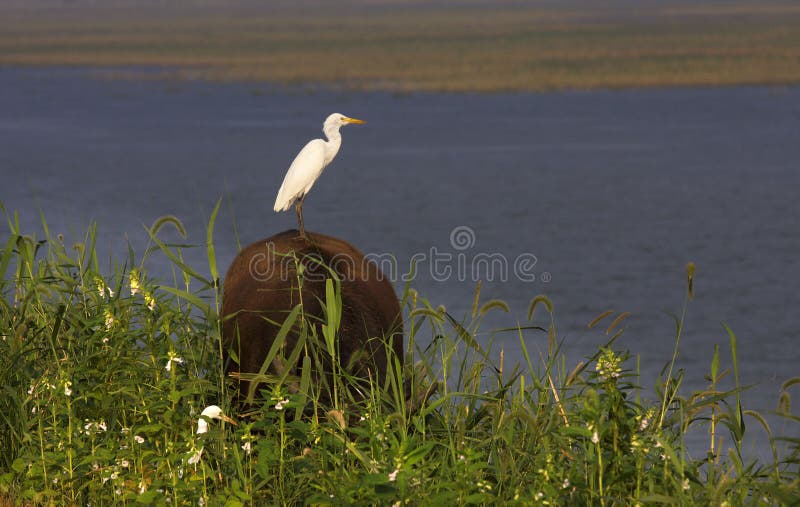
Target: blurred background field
(418, 45)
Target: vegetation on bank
(105, 371)
(460, 47)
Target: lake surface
(605, 195)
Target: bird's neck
(332, 144)
(333, 135)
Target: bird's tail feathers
(282, 202)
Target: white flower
(68, 388)
(142, 487)
(609, 365)
(565, 485)
(195, 457)
(109, 318)
(280, 404)
(101, 286)
(595, 437)
(93, 427)
(102, 289)
(686, 484)
(173, 359)
(150, 301)
(30, 390)
(125, 463)
(393, 475)
(138, 439)
(134, 280)
(539, 495)
(246, 447)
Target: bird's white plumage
(311, 161)
(212, 412)
(302, 174)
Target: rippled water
(606, 194)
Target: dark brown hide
(261, 288)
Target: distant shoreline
(469, 49)
(174, 76)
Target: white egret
(308, 166)
(211, 412)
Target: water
(610, 192)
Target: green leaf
(417, 454)
(212, 259)
(738, 412)
(715, 364)
(333, 311)
(280, 338)
(176, 260)
(659, 499)
(148, 497)
(7, 254)
(305, 385)
(188, 296)
(426, 312)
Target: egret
(211, 412)
(308, 166)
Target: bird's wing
(304, 171)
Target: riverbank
(105, 375)
(432, 47)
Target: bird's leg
(299, 208)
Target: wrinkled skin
(261, 288)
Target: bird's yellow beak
(353, 120)
(228, 419)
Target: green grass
(90, 413)
(466, 48)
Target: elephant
(262, 286)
